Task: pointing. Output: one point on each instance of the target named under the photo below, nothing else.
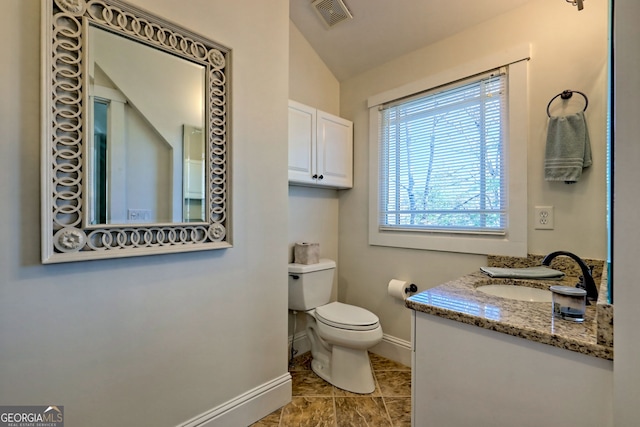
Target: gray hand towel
(568, 149)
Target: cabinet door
(335, 151)
(464, 375)
(302, 143)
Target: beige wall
(569, 51)
(626, 205)
(313, 212)
(310, 81)
(156, 340)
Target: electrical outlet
(544, 218)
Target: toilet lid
(345, 316)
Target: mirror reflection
(193, 178)
(145, 157)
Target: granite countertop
(460, 301)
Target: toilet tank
(310, 284)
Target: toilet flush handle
(294, 276)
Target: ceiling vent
(331, 12)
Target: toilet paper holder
(401, 289)
(411, 289)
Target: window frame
(514, 241)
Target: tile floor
(317, 403)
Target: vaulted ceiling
(385, 29)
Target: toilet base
(348, 369)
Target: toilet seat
(345, 316)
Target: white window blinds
(442, 159)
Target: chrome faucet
(586, 280)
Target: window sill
(448, 242)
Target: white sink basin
(520, 293)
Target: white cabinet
(463, 375)
(320, 148)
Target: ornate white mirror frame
(66, 233)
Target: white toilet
(340, 334)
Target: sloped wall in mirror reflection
(148, 96)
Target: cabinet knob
(315, 176)
(321, 177)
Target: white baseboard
(247, 408)
(266, 398)
(394, 349)
(390, 347)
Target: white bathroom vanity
(464, 375)
(486, 361)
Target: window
(441, 163)
(450, 169)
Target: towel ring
(566, 94)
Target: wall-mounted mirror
(135, 134)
